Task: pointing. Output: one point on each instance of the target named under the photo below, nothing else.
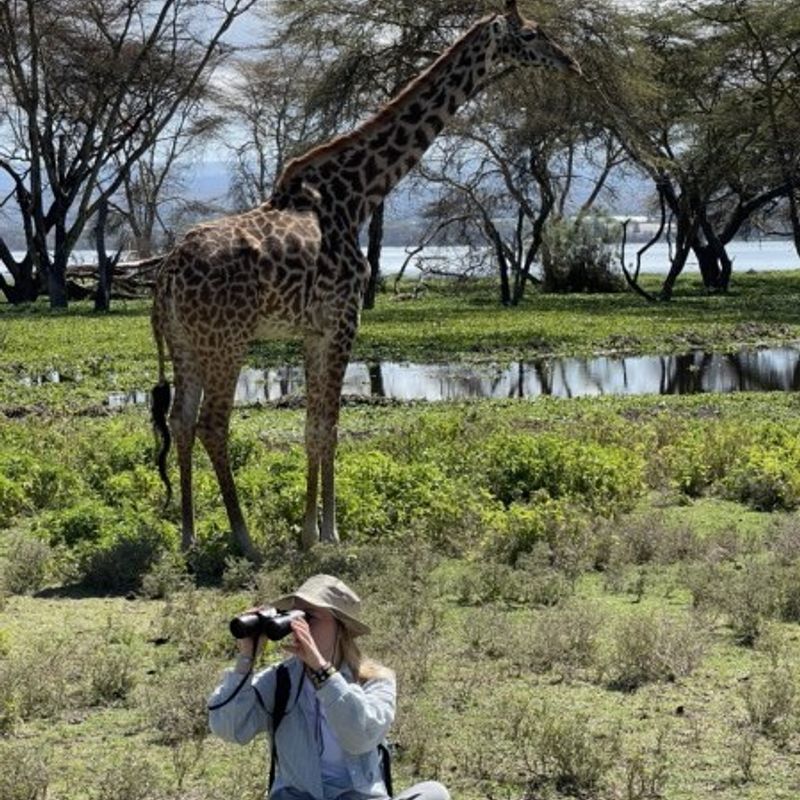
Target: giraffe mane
(384, 112)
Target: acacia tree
(152, 196)
(681, 96)
(523, 155)
(85, 87)
(271, 117)
(770, 34)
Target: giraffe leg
(328, 363)
(313, 372)
(212, 428)
(182, 423)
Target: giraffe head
(523, 41)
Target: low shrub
(118, 562)
(700, 455)
(85, 522)
(126, 776)
(561, 750)
(565, 638)
(12, 499)
(26, 565)
(380, 496)
(645, 649)
(196, 625)
(175, 703)
(166, 576)
(767, 476)
(239, 574)
(604, 478)
(578, 257)
(110, 674)
(557, 529)
(772, 702)
(485, 581)
(25, 773)
(750, 597)
(39, 680)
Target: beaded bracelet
(318, 677)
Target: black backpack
(282, 689)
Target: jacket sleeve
(360, 716)
(244, 716)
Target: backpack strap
(386, 767)
(283, 686)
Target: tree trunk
(105, 265)
(794, 215)
(678, 263)
(374, 244)
(57, 282)
(376, 387)
(709, 265)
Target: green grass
(98, 354)
(520, 561)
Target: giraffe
(293, 266)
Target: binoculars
(265, 622)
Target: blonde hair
(363, 669)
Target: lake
(758, 256)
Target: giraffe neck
(354, 172)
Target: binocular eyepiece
(267, 622)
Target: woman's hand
(304, 647)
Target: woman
(339, 709)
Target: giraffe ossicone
(293, 266)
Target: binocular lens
(258, 623)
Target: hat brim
(287, 601)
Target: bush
(579, 258)
(12, 499)
(700, 455)
(380, 496)
(562, 749)
(38, 680)
(26, 565)
(772, 701)
(603, 478)
(175, 704)
(119, 562)
(85, 522)
(166, 576)
(767, 477)
(564, 638)
(645, 650)
(557, 531)
(24, 775)
(127, 776)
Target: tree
(271, 116)
(152, 197)
(86, 87)
(524, 154)
(681, 98)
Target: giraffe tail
(160, 397)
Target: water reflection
(691, 373)
(776, 369)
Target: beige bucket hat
(325, 591)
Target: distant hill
(209, 182)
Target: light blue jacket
(359, 715)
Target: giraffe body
(293, 266)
